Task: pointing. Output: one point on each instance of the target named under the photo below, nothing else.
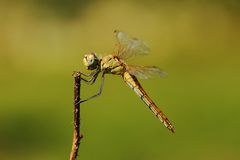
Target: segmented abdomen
(132, 81)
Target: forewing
(128, 47)
(145, 72)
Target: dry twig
(76, 134)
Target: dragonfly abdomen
(135, 85)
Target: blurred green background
(196, 42)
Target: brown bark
(76, 134)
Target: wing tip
(116, 32)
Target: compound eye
(90, 58)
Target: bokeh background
(196, 42)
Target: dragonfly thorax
(112, 64)
(91, 61)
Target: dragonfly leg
(93, 78)
(88, 75)
(96, 95)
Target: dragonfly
(126, 48)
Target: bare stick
(76, 134)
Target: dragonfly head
(91, 61)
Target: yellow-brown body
(113, 65)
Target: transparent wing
(145, 72)
(128, 47)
